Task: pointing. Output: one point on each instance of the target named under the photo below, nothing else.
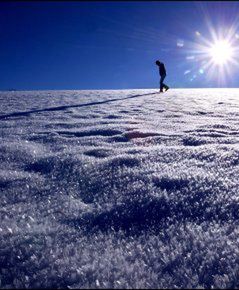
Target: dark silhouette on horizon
(162, 73)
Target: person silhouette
(162, 73)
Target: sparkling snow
(122, 189)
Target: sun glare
(221, 52)
(216, 57)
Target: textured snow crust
(122, 189)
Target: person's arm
(164, 69)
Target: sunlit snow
(122, 189)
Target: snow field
(122, 189)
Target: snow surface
(123, 189)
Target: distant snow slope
(123, 189)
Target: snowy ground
(123, 189)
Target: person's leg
(164, 85)
(161, 83)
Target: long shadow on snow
(60, 108)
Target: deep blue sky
(106, 45)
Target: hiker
(162, 73)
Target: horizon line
(175, 88)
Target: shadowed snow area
(121, 189)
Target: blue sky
(109, 45)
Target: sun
(221, 52)
(215, 57)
